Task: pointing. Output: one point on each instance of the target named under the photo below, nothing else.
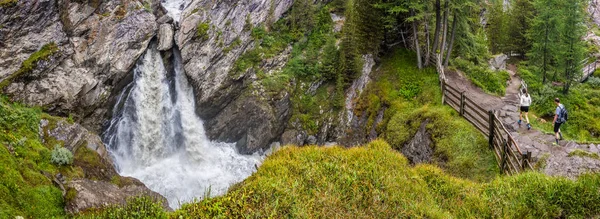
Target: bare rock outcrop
(98, 44)
(98, 184)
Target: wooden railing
(588, 70)
(509, 156)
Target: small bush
(594, 82)
(202, 30)
(488, 80)
(61, 156)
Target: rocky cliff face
(212, 36)
(98, 43)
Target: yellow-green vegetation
(375, 181)
(202, 30)
(25, 166)
(413, 95)
(137, 207)
(582, 153)
(31, 63)
(483, 77)
(7, 3)
(582, 103)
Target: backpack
(564, 115)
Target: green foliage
(582, 153)
(7, 3)
(136, 207)
(482, 76)
(233, 44)
(583, 103)
(61, 156)
(594, 82)
(24, 162)
(31, 63)
(411, 96)
(202, 30)
(375, 181)
(499, 24)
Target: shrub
(202, 30)
(61, 156)
(488, 80)
(594, 82)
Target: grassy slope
(375, 181)
(24, 159)
(412, 96)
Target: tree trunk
(438, 23)
(427, 51)
(416, 36)
(544, 54)
(445, 32)
(448, 55)
(570, 69)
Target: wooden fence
(509, 156)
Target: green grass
(582, 153)
(31, 63)
(375, 181)
(411, 96)
(24, 163)
(488, 80)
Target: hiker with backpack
(525, 102)
(560, 117)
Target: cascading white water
(174, 7)
(156, 136)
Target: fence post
(504, 151)
(525, 158)
(462, 103)
(443, 92)
(491, 135)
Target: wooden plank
(454, 94)
(482, 114)
(452, 88)
(453, 103)
(476, 123)
(477, 105)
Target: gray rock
(311, 140)
(498, 62)
(95, 51)
(72, 135)
(293, 137)
(91, 194)
(165, 37)
(165, 19)
(419, 150)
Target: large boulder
(87, 194)
(419, 149)
(498, 62)
(98, 44)
(94, 182)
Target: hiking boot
(528, 126)
(519, 122)
(555, 144)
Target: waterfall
(156, 136)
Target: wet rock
(165, 37)
(419, 149)
(165, 19)
(88, 194)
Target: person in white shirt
(525, 102)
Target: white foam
(162, 142)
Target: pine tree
(520, 19)
(498, 30)
(572, 48)
(543, 35)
